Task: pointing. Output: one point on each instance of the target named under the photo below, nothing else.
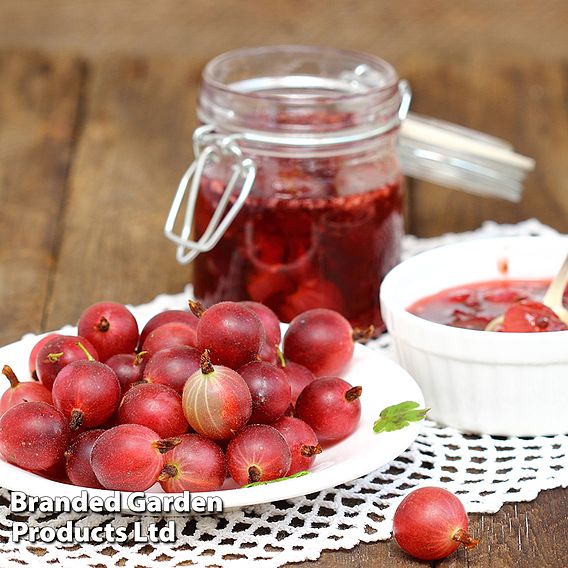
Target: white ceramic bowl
(511, 384)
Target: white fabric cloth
(484, 471)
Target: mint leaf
(294, 475)
(399, 416)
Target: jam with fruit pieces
(474, 306)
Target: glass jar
(295, 199)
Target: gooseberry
(155, 406)
(172, 366)
(258, 453)
(269, 321)
(301, 440)
(321, 340)
(169, 316)
(129, 457)
(35, 351)
(232, 333)
(59, 352)
(18, 392)
(87, 392)
(216, 400)
(331, 407)
(269, 389)
(430, 523)
(110, 327)
(298, 378)
(196, 464)
(78, 460)
(33, 435)
(169, 335)
(128, 368)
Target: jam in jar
(318, 213)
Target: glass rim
(384, 67)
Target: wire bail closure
(210, 147)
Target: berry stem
(361, 335)
(164, 446)
(290, 411)
(205, 363)
(196, 308)
(54, 357)
(85, 351)
(11, 376)
(353, 394)
(169, 471)
(103, 325)
(254, 474)
(76, 420)
(139, 358)
(463, 537)
(309, 451)
(280, 355)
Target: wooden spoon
(552, 299)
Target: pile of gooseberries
(197, 395)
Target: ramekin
(510, 384)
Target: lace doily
(484, 471)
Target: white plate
(384, 383)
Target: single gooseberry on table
(430, 523)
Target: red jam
(313, 233)
(473, 306)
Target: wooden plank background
(97, 107)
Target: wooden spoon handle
(555, 292)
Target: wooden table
(90, 154)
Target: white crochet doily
(484, 471)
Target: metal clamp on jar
(295, 195)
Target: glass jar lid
(461, 158)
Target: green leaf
(294, 475)
(399, 416)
